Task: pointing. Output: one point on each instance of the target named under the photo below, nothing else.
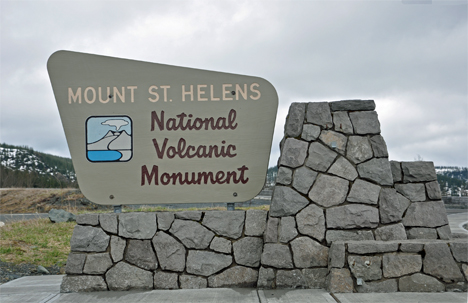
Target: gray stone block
(255, 222)
(377, 170)
(396, 171)
(311, 222)
(82, 284)
(266, 278)
(358, 149)
(295, 119)
(276, 255)
(165, 280)
(293, 153)
(124, 276)
(352, 216)
(390, 232)
(117, 248)
(286, 202)
(206, 263)
(364, 192)
(290, 279)
(303, 179)
(416, 192)
(385, 286)
(343, 168)
(229, 224)
(315, 277)
(371, 247)
(342, 123)
(433, 190)
(271, 233)
(400, 264)
(319, 113)
(352, 105)
(348, 235)
(75, 263)
(284, 176)
(287, 229)
(366, 267)
(192, 234)
(411, 247)
(465, 270)
(329, 190)
(460, 251)
(334, 140)
(237, 276)
(320, 157)
(97, 264)
(140, 253)
(426, 214)
(420, 283)
(438, 262)
(87, 219)
(422, 233)
(165, 220)
(60, 215)
(170, 253)
(365, 122)
(89, 239)
(137, 225)
(310, 132)
(340, 281)
(418, 171)
(392, 205)
(192, 282)
(248, 251)
(379, 147)
(189, 215)
(221, 245)
(109, 222)
(336, 255)
(309, 253)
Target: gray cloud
(412, 59)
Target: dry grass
(28, 200)
(36, 241)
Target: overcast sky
(410, 58)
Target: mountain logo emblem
(109, 139)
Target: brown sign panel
(147, 133)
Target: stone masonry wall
(335, 185)
(406, 265)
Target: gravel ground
(10, 271)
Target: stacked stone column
(334, 165)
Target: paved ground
(19, 217)
(45, 289)
(456, 222)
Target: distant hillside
(21, 166)
(453, 180)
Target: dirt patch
(41, 200)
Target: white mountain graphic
(123, 141)
(112, 141)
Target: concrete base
(45, 289)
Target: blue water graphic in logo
(103, 155)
